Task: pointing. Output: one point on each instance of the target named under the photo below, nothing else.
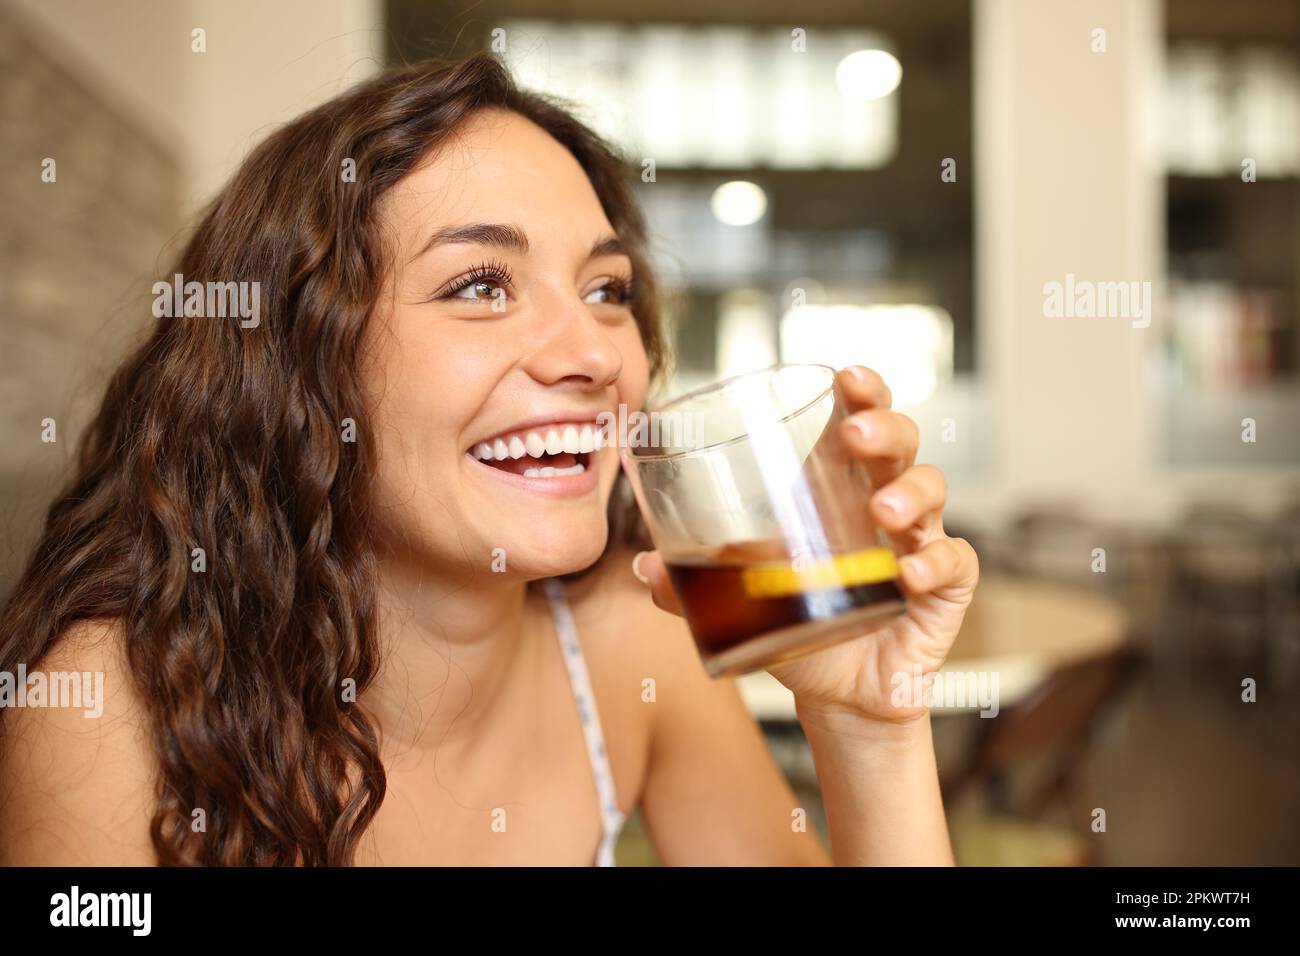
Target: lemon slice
(869, 566)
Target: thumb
(648, 568)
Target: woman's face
(504, 333)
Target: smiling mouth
(547, 452)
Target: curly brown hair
(227, 438)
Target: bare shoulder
(710, 793)
(624, 623)
(632, 638)
(76, 766)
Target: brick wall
(77, 258)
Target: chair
(1220, 560)
(1053, 725)
(1057, 543)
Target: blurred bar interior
(899, 197)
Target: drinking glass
(759, 511)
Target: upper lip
(550, 418)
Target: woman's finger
(917, 494)
(649, 569)
(943, 563)
(864, 388)
(884, 440)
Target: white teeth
(549, 472)
(573, 439)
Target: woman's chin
(544, 556)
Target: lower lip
(561, 486)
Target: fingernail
(913, 567)
(636, 569)
(863, 428)
(892, 505)
(857, 372)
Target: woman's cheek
(634, 379)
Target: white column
(1068, 181)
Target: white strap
(612, 818)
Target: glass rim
(634, 458)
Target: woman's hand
(877, 676)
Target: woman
(310, 599)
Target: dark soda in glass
(755, 601)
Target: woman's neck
(448, 651)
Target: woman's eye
(480, 290)
(487, 282)
(617, 292)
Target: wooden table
(1020, 630)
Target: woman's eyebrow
(479, 233)
(508, 237)
(608, 246)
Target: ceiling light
(739, 203)
(868, 74)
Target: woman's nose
(575, 346)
